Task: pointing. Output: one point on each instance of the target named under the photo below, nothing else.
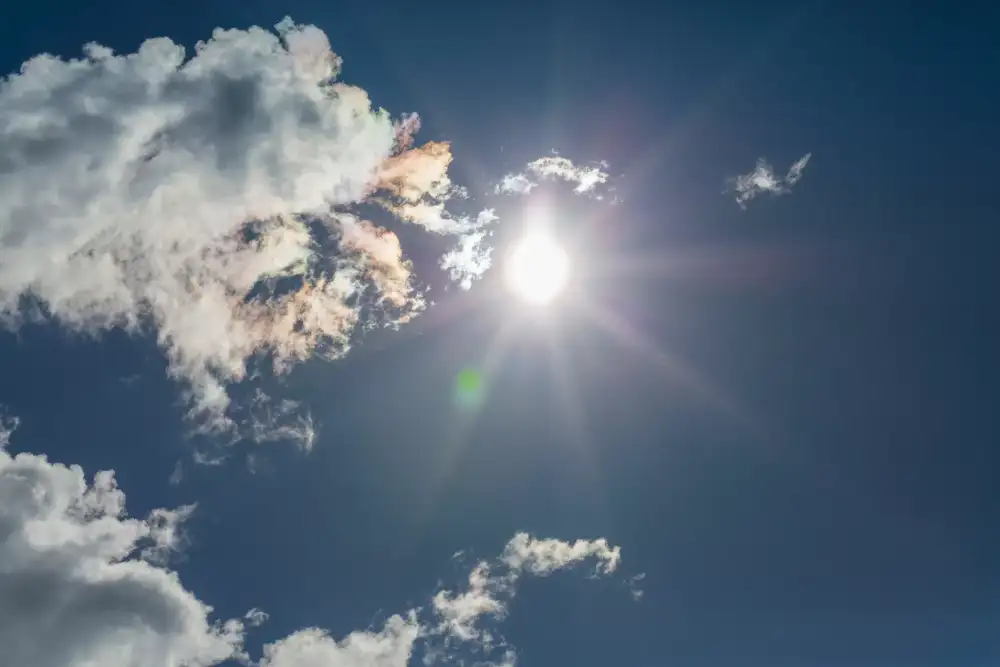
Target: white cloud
(763, 180)
(492, 585)
(469, 260)
(515, 184)
(390, 647)
(585, 178)
(167, 533)
(73, 592)
(540, 557)
(459, 612)
(153, 192)
(78, 588)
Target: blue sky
(764, 403)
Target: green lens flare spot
(469, 388)
(469, 381)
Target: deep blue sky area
(827, 497)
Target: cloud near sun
(585, 178)
(213, 200)
(76, 570)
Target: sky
(270, 282)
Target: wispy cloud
(584, 178)
(634, 585)
(491, 585)
(78, 571)
(763, 180)
(187, 196)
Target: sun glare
(537, 269)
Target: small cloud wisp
(763, 180)
(585, 179)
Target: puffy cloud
(390, 647)
(381, 256)
(540, 557)
(166, 532)
(83, 584)
(585, 178)
(469, 259)
(418, 172)
(762, 179)
(74, 589)
(459, 612)
(415, 186)
(515, 184)
(206, 198)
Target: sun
(537, 269)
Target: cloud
(634, 585)
(763, 180)
(74, 589)
(8, 425)
(166, 532)
(418, 184)
(585, 178)
(418, 172)
(469, 260)
(83, 584)
(405, 128)
(515, 184)
(391, 646)
(209, 200)
(459, 612)
(492, 585)
(541, 557)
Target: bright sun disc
(537, 269)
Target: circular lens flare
(537, 269)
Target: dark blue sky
(841, 511)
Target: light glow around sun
(537, 269)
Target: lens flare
(469, 388)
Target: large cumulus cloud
(209, 198)
(80, 582)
